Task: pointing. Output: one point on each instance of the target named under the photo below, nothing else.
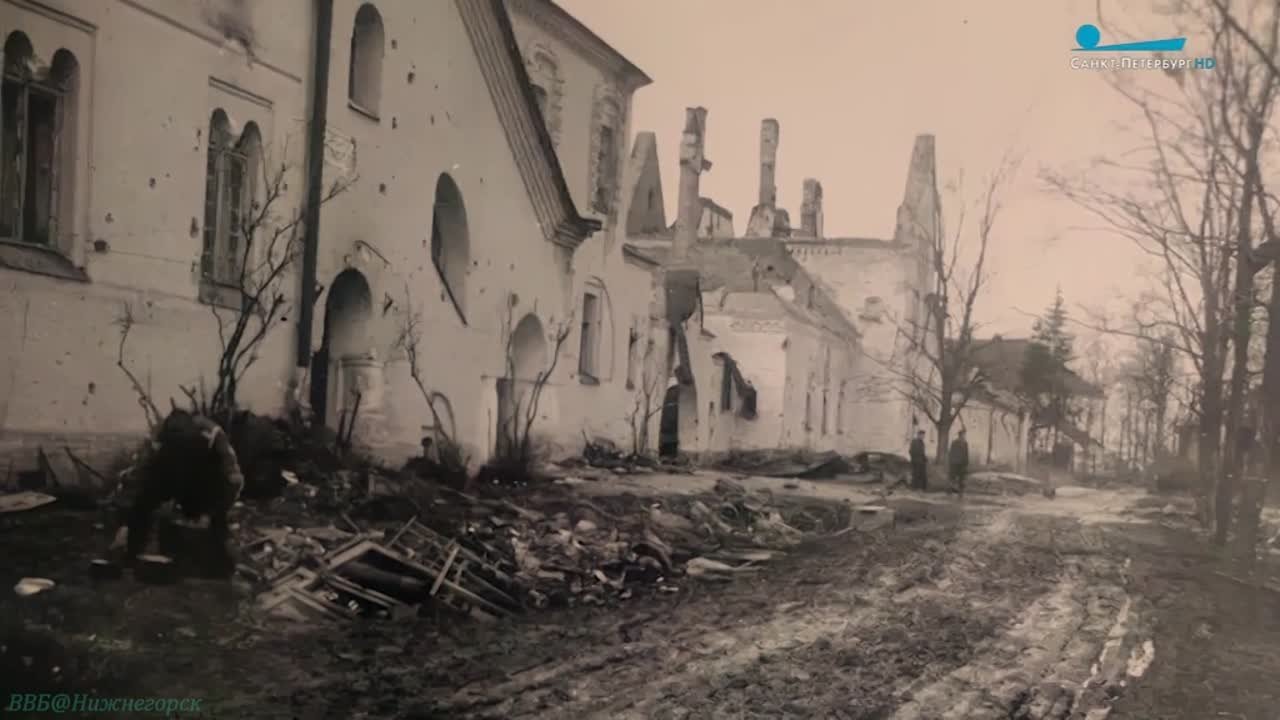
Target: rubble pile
(488, 557)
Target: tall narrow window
(588, 355)
(451, 244)
(364, 83)
(808, 410)
(726, 387)
(228, 202)
(840, 410)
(35, 113)
(606, 169)
(633, 349)
(824, 411)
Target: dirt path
(1016, 607)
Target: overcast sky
(852, 82)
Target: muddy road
(1091, 605)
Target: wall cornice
(489, 29)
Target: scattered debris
(29, 586)
(488, 557)
(883, 465)
(787, 464)
(25, 500)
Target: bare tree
(1258, 36)
(516, 448)
(1197, 213)
(1181, 213)
(449, 453)
(644, 405)
(256, 300)
(1153, 373)
(1245, 107)
(947, 374)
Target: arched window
(364, 84)
(37, 135)
(451, 243)
(604, 157)
(595, 352)
(544, 74)
(229, 212)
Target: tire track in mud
(1066, 657)
(1004, 616)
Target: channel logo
(1089, 37)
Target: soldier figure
(192, 462)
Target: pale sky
(852, 82)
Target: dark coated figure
(192, 463)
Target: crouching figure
(192, 463)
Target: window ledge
(362, 110)
(587, 379)
(223, 296)
(39, 260)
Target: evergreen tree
(1045, 378)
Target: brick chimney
(768, 162)
(692, 165)
(681, 277)
(811, 209)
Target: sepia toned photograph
(631, 359)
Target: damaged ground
(625, 592)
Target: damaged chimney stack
(692, 165)
(811, 209)
(768, 162)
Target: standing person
(959, 461)
(919, 463)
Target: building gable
(493, 39)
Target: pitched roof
(489, 29)
(745, 266)
(1002, 359)
(562, 23)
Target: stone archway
(346, 343)
(529, 357)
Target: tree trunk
(1242, 321)
(1251, 503)
(1210, 432)
(944, 440)
(1102, 434)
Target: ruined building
(486, 216)
(480, 146)
(826, 330)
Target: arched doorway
(678, 424)
(347, 312)
(529, 357)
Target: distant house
(1002, 360)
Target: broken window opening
(451, 243)
(228, 203)
(633, 346)
(588, 363)
(36, 105)
(726, 388)
(840, 410)
(824, 412)
(364, 81)
(606, 168)
(808, 411)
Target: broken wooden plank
(444, 570)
